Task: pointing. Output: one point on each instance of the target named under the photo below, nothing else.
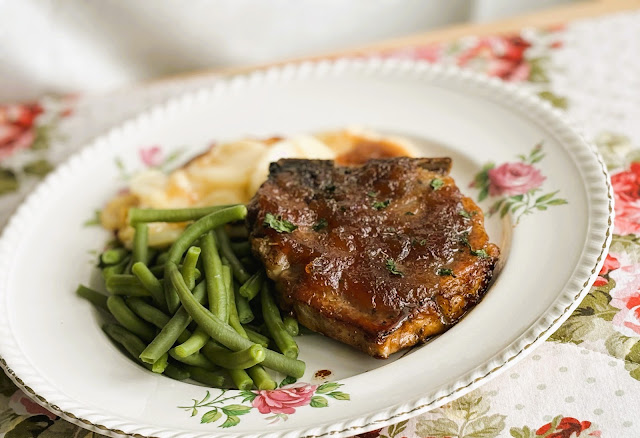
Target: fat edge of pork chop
(384, 255)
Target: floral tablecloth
(585, 381)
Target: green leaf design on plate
(211, 416)
(230, 421)
(247, 395)
(236, 409)
(317, 401)
(328, 387)
(287, 381)
(338, 395)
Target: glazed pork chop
(379, 256)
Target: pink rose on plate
(285, 399)
(514, 179)
(151, 156)
(626, 296)
(23, 405)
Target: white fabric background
(62, 46)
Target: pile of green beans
(184, 311)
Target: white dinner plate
(550, 184)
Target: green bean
(161, 364)
(192, 345)
(158, 270)
(250, 264)
(128, 340)
(252, 286)
(186, 239)
(173, 329)
(276, 327)
(237, 232)
(147, 312)
(162, 258)
(189, 266)
(234, 360)
(241, 249)
(241, 379)
(176, 372)
(94, 297)
(216, 288)
(171, 215)
(223, 333)
(140, 243)
(239, 272)
(212, 379)
(128, 319)
(261, 378)
(116, 269)
(291, 325)
(113, 256)
(150, 282)
(245, 315)
(256, 337)
(196, 359)
(234, 320)
(125, 284)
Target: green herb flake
(423, 242)
(480, 253)
(443, 272)
(409, 213)
(278, 224)
(380, 205)
(465, 214)
(320, 225)
(372, 194)
(464, 239)
(436, 183)
(391, 266)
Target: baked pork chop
(379, 256)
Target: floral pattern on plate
(279, 403)
(516, 185)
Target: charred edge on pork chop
(385, 254)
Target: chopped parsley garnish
(436, 183)
(466, 214)
(391, 266)
(372, 194)
(464, 239)
(278, 224)
(421, 242)
(443, 272)
(480, 253)
(409, 213)
(379, 205)
(320, 225)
